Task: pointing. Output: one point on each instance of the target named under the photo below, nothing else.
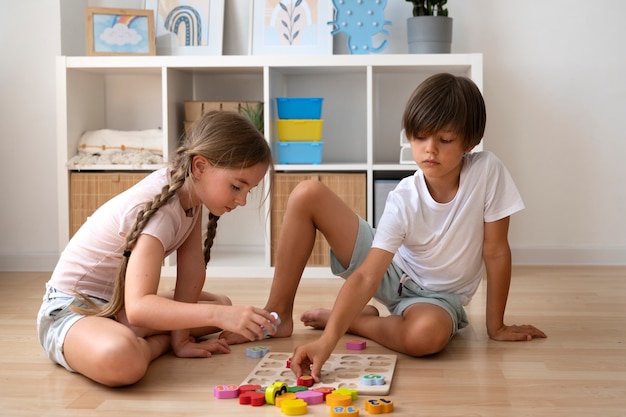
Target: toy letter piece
(352, 393)
(226, 391)
(293, 407)
(253, 398)
(248, 388)
(286, 396)
(356, 344)
(379, 406)
(324, 390)
(340, 411)
(371, 379)
(257, 352)
(335, 400)
(305, 380)
(265, 332)
(311, 397)
(274, 390)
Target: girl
(101, 315)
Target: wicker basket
(351, 187)
(89, 190)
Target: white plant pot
(429, 34)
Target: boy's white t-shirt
(439, 246)
(90, 261)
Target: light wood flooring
(579, 370)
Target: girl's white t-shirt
(439, 246)
(90, 261)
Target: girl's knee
(121, 363)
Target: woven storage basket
(89, 190)
(351, 187)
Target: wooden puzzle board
(341, 370)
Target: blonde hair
(227, 140)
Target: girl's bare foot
(285, 329)
(319, 317)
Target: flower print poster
(292, 27)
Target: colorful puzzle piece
(274, 390)
(347, 391)
(356, 344)
(378, 405)
(265, 332)
(226, 391)
(253, 398)
(372, 379)
(284, 397)
(335, 399)
(311, 397)
(293, 407)
(305, 380)
(257, 352)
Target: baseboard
(569, 256)
(28, 262)
(41, 262)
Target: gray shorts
(54, 321)
(387, 292)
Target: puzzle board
(341, 370)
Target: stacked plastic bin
(299, 127)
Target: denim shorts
(54, 321)
(387, 292)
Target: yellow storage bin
(299, 129)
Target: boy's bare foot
(285, 329)
(319, 317)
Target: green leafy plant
(254, 114)
(429, 7)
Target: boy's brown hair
(446, 101)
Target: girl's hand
(523, 332)
(248, 321)
(188, 347)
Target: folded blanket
(104, 141)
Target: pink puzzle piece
(226, 391)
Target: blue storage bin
(299, 152)
(299, 107)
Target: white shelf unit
(364, 97)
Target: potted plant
(429, 31)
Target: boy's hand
(308, 359)
(517, 333)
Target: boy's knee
(307, 191)
(426, 339)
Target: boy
(442, 229)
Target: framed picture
(188, 27)
(119, 31)
(292, 27)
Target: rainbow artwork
(187, 19)
(116, 33)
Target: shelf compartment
(351, 187)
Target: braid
(211, 230)
(117, 299)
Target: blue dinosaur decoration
(360, 20)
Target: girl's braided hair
(227, 140)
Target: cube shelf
(363, 99)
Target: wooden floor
(580, 370)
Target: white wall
(553, 83)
